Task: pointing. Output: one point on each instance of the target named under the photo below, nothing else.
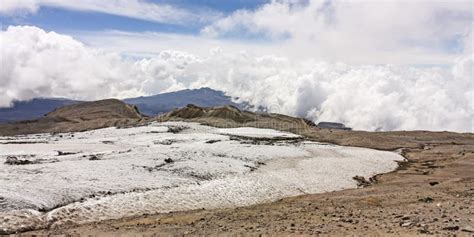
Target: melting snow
(113, 173)
(257, 133)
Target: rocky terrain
(78, 117)
(148, 105)
(432, 192)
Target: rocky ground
(432, 193)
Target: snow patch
(112, 173)
(256, 133)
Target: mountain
(102, 109)
(147, 105)
(35, 108)
(78, 117)
(162, 103)
(229, 116)
(115, 113)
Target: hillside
(148, 105)
(35, 108)
(230, 116)
(162, 103)
(102, 109)
(429, 193)
(77, 117)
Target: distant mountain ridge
(147, 105)
(106, 113)
(165, 102)
(35, 108)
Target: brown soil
(431, 193)
(102, 109)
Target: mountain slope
(78, 117)
(35, 108)
(438, 165)
(230, 116)
(102, 109)
(162, 103)
(147, 105)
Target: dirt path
(431, 193)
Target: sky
(373, 65)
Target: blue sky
(59, 19)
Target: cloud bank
(356, 32)
(35, 63)
(370, 97)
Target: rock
(424, 231)
(426, 199)
(12, 160)
(361, 181)
(347, 220)
(65, 153)
(433, 183)
(468, 229)
(406, 224)
(260, 163)
(165, 142)
(421, 225)
(169, 160)
(176, 129)
(451, 228)
(212, 141)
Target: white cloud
(12, 7)
(357, 32)
(386, 97)
(139, 9)
(145, 44)
(364, 97)
(354, 32)
(35, 63)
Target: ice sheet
(256, 132)
(112, 173)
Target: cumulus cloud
(356, 32)
(353, 32)
(372, 97)
(18, 7)
(35, 63)
(363, 97)
(138, 9)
